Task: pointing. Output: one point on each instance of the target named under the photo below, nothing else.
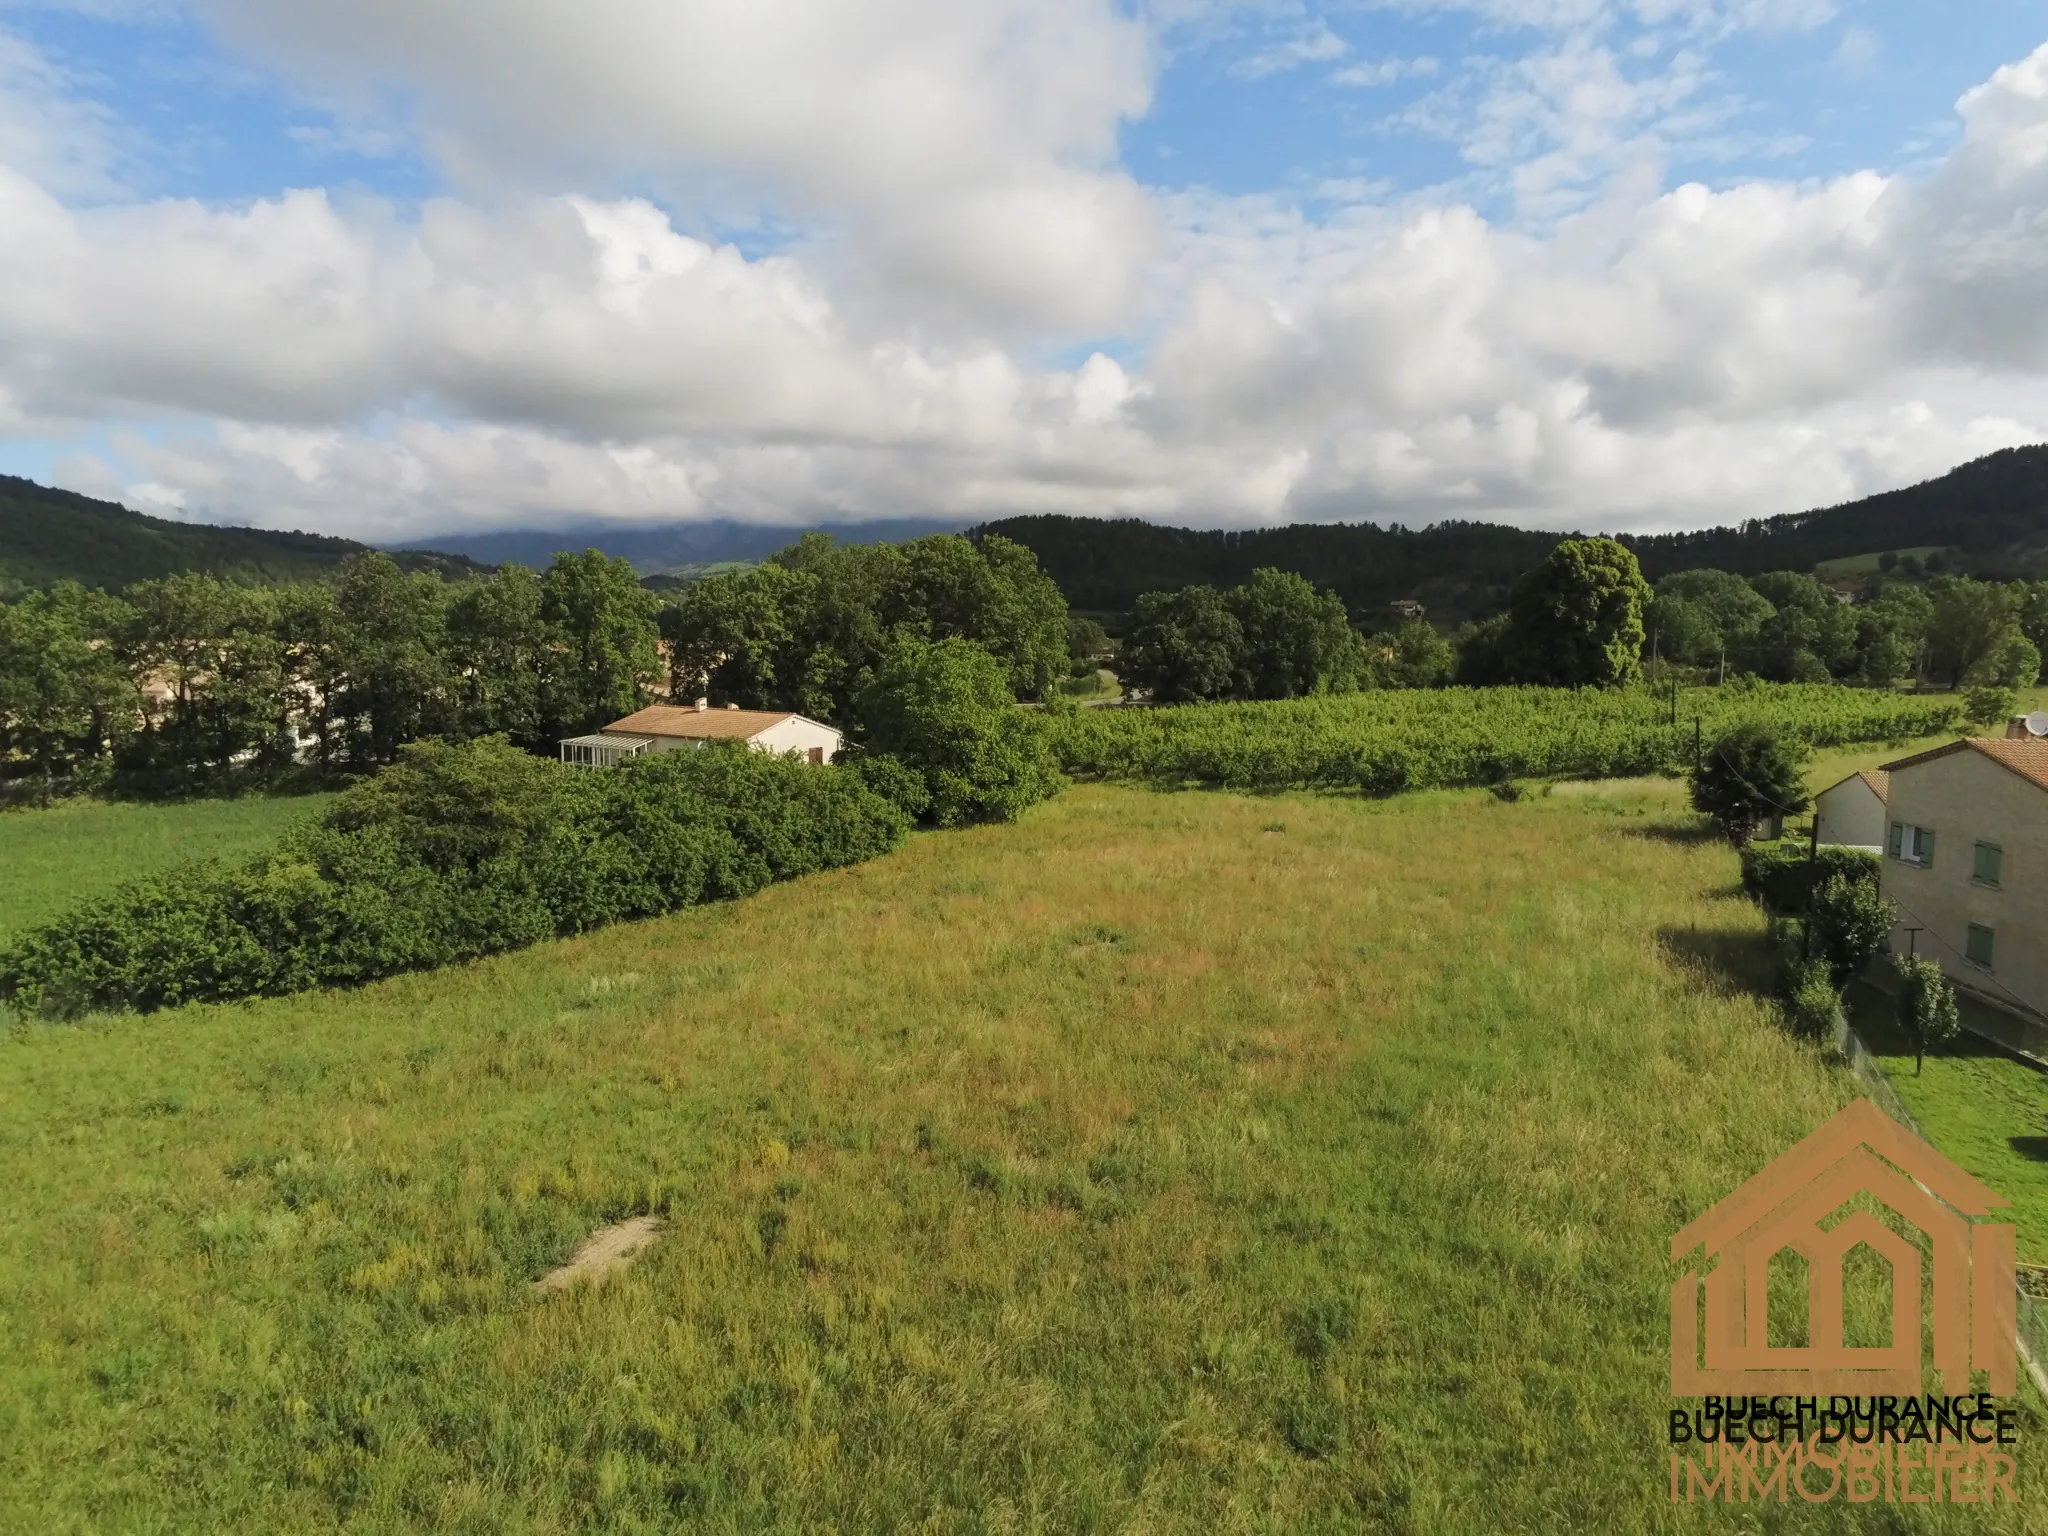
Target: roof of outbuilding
(699, 724)
(2028, 759)
(1879, 781)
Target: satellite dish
(2037, 723)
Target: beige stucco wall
(1851, 813)
(1966, 798)
(798, 735)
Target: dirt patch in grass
(604, 1253)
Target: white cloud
(939, 135)
(49, 129)
(1372, 72)
(1314, 43)
(517, 352)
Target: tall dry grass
(1163, 1162)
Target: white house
(1853, 811)
(666, 727)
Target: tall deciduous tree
(1183, 646)
(607, 645)
(1297, 640)
(498, 655)
(1576, 620)
(65, 696)
(1969, 618)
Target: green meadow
(1160, 1162)
(77, 848)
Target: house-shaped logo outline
(1861, 1150)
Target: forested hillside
(1994, 509)
(50, 535)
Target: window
(1977, 947)
(1989, 862)
(1913, 845)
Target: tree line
(1584, 616)
(191, 679)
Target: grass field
(50, 858)
(1867, 564)
(1983, 1108)
(1162, 1162)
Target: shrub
(946, 713)
(452, 853)
(1926, 1005)
(1849, 922)
(1811, 999)
(1989, 704)
(1749, 775)
(1783, 874)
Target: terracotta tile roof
(1879, 781)
(698, 724)
(2028, 759)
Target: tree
(1576, 620)
(2011, 662)
(1698, 615)
(1849, 924)
(1989, 704)
(387, 682)
(63, 691)
(1413, 656)
(1086, 639)
(1889, 630)
(498, 655)
(944, 709)
(1926, 1005)
(1968, 620)
(731, 636)
(1747, 777)
(1297, 641)
(607, 648)
(1808, 635)
(1183, 646)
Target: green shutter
(1978, 946)
(1898, 839)
(1989, 864)
(1927, 847)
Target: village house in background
(1966, 860)
(1852, 813)
(666, 727)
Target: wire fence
(2032, 1316)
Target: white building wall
(800, 736)
(1850, 813)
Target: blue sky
(386, 268)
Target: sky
(392, 268)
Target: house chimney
(702, 705)
(2016, 729)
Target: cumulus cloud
(942, 134)
(525, 352)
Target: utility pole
(1724, 664)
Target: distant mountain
(1994, 509)
(49, 535)
(669, 548)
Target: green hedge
(1383, 742)
(454, 852)
(1782, 875)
